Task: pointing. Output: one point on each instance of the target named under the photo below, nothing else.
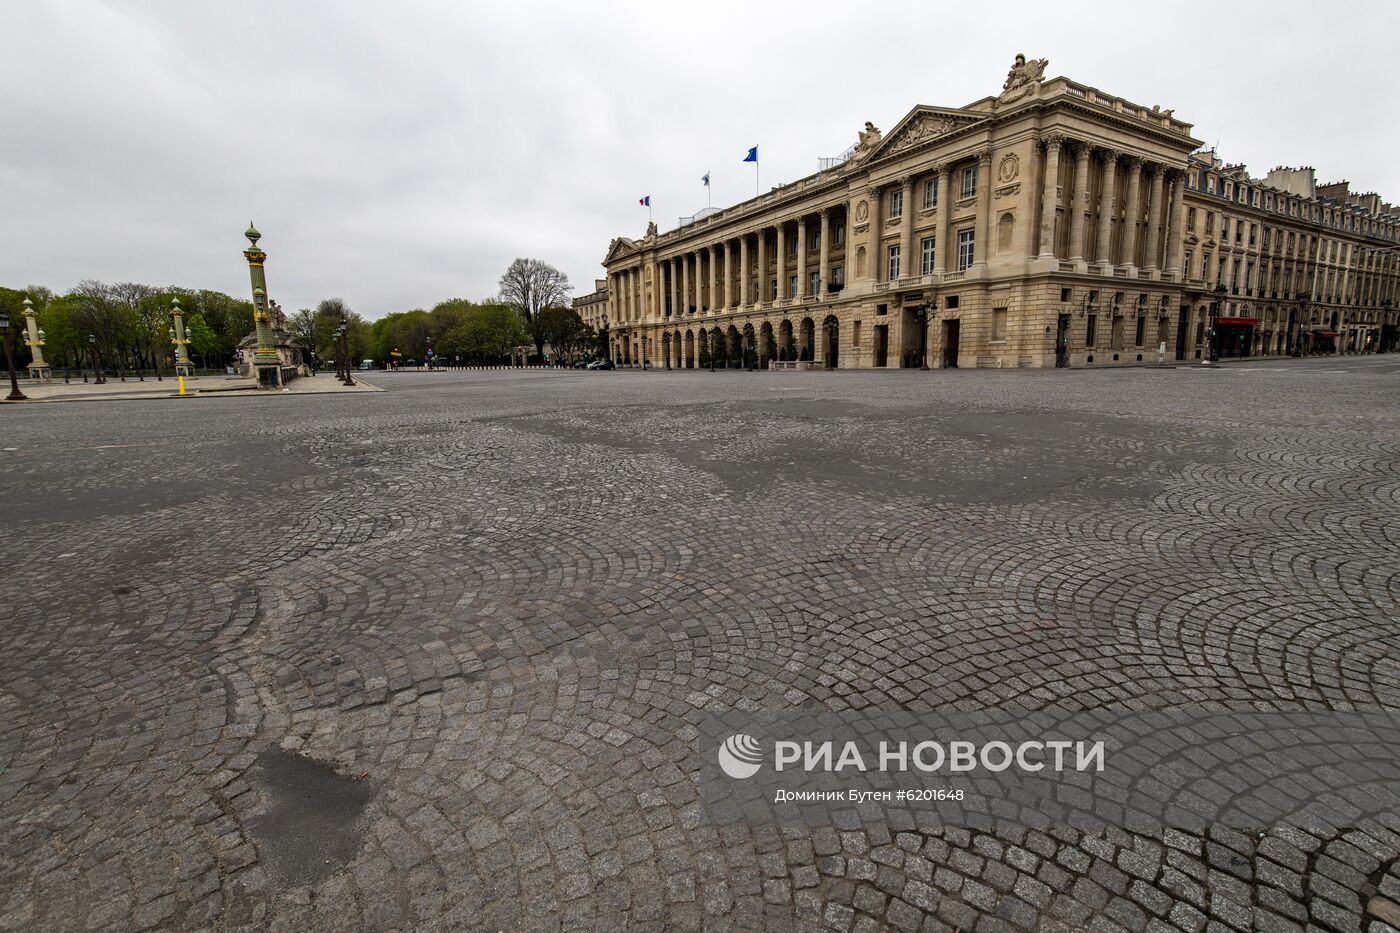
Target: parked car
(366, 364)
(601, 364)
(580, 365)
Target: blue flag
(752, 156)
(706, 180)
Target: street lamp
(96, 360)
(922, 314)
(15, 394)
(1213, 344)
(345, 350)
(183, 366)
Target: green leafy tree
(563, 330)
(204, 343)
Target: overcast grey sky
(397, 154)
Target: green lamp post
(183, 366)
(34, 340)
(267, 364)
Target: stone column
(728, 274)
(1133, 209)
(675, 281)
(782, 262)
(1154, 219)
(714, 286)
(984, 205)
(1177, 227)
(1108, 206)
(1049, 191)
(872, 267)
(940, 223)
(762, 267)
(685, 284)
(906, 231)
(656, 300)
(1079, 203)
(824, 255)
(801, 258)
(744, 270)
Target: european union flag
(752, 156)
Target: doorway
(950, 344)
(1062, 342)
(1182, 322)
(882, 343)
(833, 341)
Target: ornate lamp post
(344, 332)
(183, 366)
(922, 314)
(34, 340)
(15, 394)
(96, 361)
(1212, 343)
(267, 365)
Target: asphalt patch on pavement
(314, 816)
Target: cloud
(399, 154)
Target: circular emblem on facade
(1010, 167)
(862, 212)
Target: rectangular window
(965, 245)
(926, 255)
(1189, 259)
(838, 234)
(773, 289)
(969, 181)
(816, 241)
(897, 203)
(814, 283)
(1141, 330)
(930, 194)
(855, 334)
(1191, 219)
(894, 263)
(838, 278)
(1091, 329)
(792, 287)
(792, 247)
(998, 324)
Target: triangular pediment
(923, 125)
(620, 247)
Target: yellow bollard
(182, 383)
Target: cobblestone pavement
(429, 658)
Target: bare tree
(531, 285)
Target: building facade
(593, 307)
(1051, 225)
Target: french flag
(645, 202)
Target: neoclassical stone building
(594, 306)
(1050, 225)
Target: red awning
(1324, 333)
(1237, 320)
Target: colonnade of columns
(717, 276)
(1143, 202)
